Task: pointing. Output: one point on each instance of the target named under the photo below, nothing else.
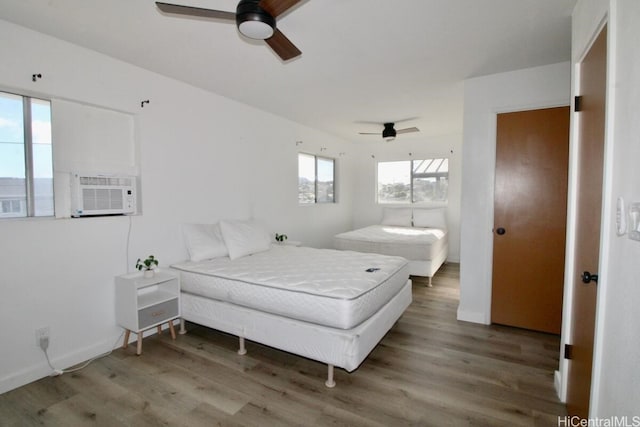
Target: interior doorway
(530, 205)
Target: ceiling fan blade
(408, 130)
(369, 133)
(405, 120)
(177, 9)
(282, 46)
(277, 7)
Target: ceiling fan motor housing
(389, 132)
(253, 21)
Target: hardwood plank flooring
(429, 370)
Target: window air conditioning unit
(102, 195)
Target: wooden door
(591, 119)
(532, 152)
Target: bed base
(242, 350)
(336, 347)
(428, 268)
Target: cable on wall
(126, 264)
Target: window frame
(315, 179)
(412, 176)
(29, 173)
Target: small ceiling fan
(255, 19)
(389, 132)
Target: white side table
(143, 303)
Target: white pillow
(430, 218)
(244, 237)
(204, 241)
(397, 216)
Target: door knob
(588, 277)
(501, 231)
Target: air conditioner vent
(118, 181)
(102, 195)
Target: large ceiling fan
(255, 19)
(389, 132)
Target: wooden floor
(429, 370)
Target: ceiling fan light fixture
(255, 30)
(253, 21)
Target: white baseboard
(41, 370)
(472, 316)
(560, 380)
(556, 382)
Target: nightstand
(143, 303)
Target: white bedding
(413, 243)
(425, 248)
(321, 286)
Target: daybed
(327, 305)
(419, 235)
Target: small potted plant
(280, 238)
(147, 265)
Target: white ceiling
(362, 60)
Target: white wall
(616, 377)
(365, 209)
(484, 98)
(619, 376)
(201, 157)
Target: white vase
(148, 274)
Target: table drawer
(158, 313)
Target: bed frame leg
(182, 330)
(330, 382)
(430, 285)
(242, 350)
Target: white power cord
(44, 344)
(126, 264)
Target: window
(26, 163)
(315, 179)
(413, 181)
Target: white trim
(557, 380)
(565, 334)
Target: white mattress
(413, 243)
(322, 286)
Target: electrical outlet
(42, 334)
